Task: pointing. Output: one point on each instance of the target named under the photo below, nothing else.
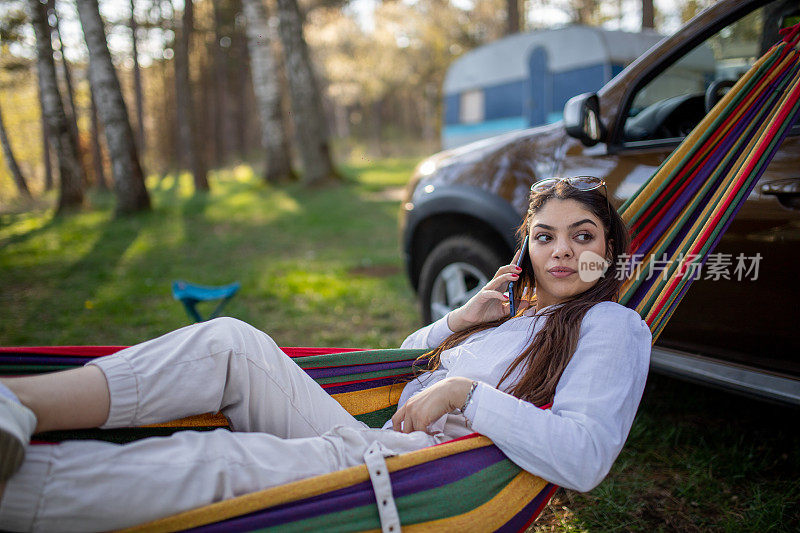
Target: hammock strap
(374, 458)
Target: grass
(312, 273)
(324, 268)
(697, 459)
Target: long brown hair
(543, 361)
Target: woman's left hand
(426, 407)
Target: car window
(671, 104)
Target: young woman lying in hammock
(591, 361)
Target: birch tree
(267, 87)
(311, 131)
(97, 151)
(61, 137)
(47, 159)
(125, 167)
(71, 110)
(137, 81)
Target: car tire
(466, 262)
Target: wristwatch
(469, 396)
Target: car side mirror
(582, 119)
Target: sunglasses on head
(583, 183)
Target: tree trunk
(97, 150)
(648, 14)
(192, 158)
(70, 189)
(585, 11)
(267, 87)
(425, 116)
(219, 81)
(204, 113)
(311, 129)
(46, 158)
(168, 147)
(513, 16)
(71, 111)
(377, 126)
(137, 83)
(242, 81)
(247, 108)
(11, 161)
(125, 167)
(342, 123)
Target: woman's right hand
(489, 303)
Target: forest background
(205, 84)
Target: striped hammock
(466, 483)
(679, 214)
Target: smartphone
(523, 254)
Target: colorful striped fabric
(680, 214)
(466, 483)
(469, 484)
(366, 382)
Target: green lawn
(317, 267)
(696, 460)
(324, 268)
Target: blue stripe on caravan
(451, 108)
(573, 82)
(540, 86)
(504, 101)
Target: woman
(591, 361)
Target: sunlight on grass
(317, 287)
(243, 172)
(252, 206)
(384, 173)
(151, 240)
(67, 237)
(157, 183)
(24, 223)
(92, 278)
(171, 186)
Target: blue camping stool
(190, 295)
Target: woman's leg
(92, 486)
(73, 399)
(220, 365)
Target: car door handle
(787, 191)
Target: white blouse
(574, 443)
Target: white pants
(286, 428)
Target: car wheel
(453, 272)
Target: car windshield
(674, 101)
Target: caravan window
(471, 108)
(670, 105)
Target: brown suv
(462, 205)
